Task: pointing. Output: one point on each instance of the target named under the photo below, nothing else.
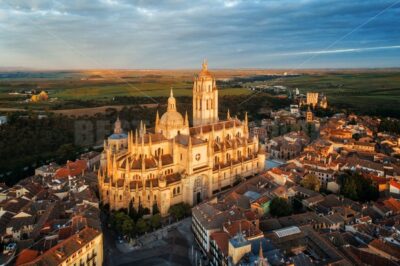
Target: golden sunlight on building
(42, 96)
(178, 163)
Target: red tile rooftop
(72, 169)
(222, 240)
(26, 255)
(395, 184)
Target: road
(172, 246)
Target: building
(294, 109)
(312, 99)
(309, 116)
(42, 96)
(82, 248)
(177, 163)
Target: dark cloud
(178, 33)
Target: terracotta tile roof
(392, 204)
(184, 140)
(232, 228)
(64, 249)
(222, 239)
(395, 184)
(385, 247)
(71, 169)
(26, 255)
(175, 177)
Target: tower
(205, 98)
(309, 115)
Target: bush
(356, 187)
(280, 207)
(312, 182)
(180, 210)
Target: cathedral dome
(171, 122)
(171, 119)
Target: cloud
(339, 51)
(178, 33)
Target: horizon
(28, 69)
(233, 34)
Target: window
(198, 156)
(178, 190)
(174, 191)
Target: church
(177, 162)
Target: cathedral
(177, 162)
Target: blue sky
(79, 34)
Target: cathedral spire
(129, 141)
(204, 65)
(171, 102)
(157, 119)
(117, 126)
(228, 115)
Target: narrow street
(168, 246)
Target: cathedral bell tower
(205, 98)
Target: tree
(312, 182)
(155, 221)
(297, 205)
(122, 223)
(128, 226)
(280, 207)
(180, 210)
(155, 209)
(66, 152)
(141, 226)
(357, 187)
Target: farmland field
(367, 91)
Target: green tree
(128, 226)
(66, 152)
(280, 207)
(180, 210)
(141, 226)
(155, 209)
(117, 220)
(312, 182)
(155, 221)
(357, 187)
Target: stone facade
(177, 163)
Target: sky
(176, 34)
